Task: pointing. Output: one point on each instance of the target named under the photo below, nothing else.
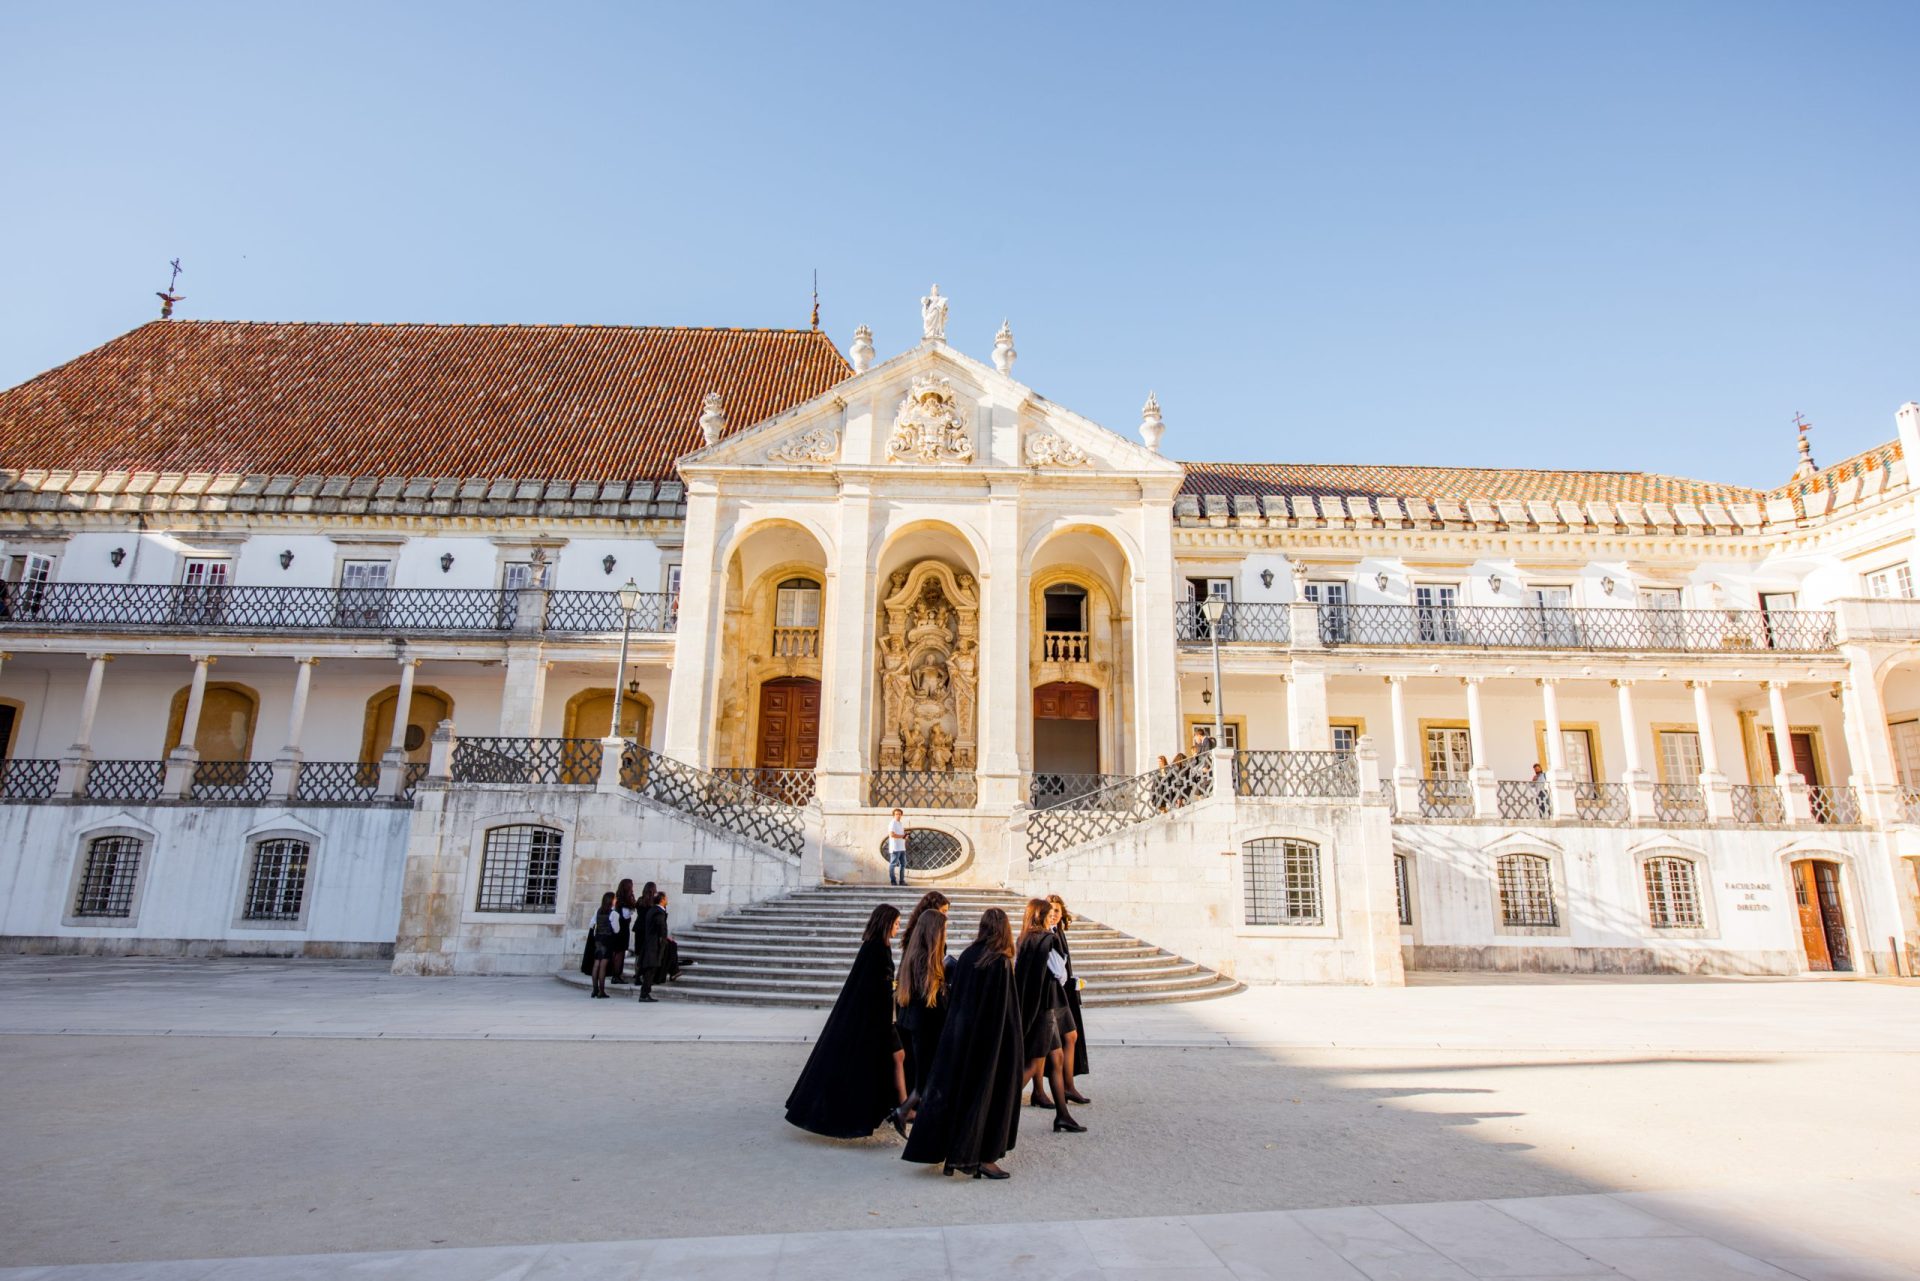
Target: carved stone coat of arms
(931, 426)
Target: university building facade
(408, 640)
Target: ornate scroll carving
(929, 669)
(1044, 449)
(821, 445)
(931, 426)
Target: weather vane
(169, 297)
(816, 298)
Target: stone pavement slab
(1580, 1238)
(133, 996)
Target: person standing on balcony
(1542, 791)
(1039, 977)
(897, 849)
(969, 1110)
(856, 1076)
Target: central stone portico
(919, 517)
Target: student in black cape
(653, 941)
(920, 995)
(1039, 975)
(603, 934)
(626, 914)
(970, 1111)
(856, 1076)
(931, 901)
(1073, 1062)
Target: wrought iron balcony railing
(1758, 805)
(1047, 790)
(714, 798)
(600, 613)
(1075, 820)
(1679, 803)
(1909, 804)
(176, 607)
(790, 786)
(1445, 797)
(1524, 799)
(232, 782)
(1306, 775)
(1555, 627)
(527, 761)
(922, 789)
(1241, 622)
(28, 780)
(125, 780)
(1835, 806)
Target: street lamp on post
(629, 598)
(1215, 609)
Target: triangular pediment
(931, 407)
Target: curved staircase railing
(1076, 820)
(738, 807)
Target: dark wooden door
(1066, 729)
(1833, 917)
(789, 724)
(1813, 931)
(1805, 764)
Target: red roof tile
(1456, 483)
(562, 402)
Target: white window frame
(1664, 759)
(476, 841)
(785, 594)
(1891, 582)
(1437, 617)
(83, 844)
(281, 830)
(28, 575)
(1709, 926)
(1324, 924)
(1556, 891)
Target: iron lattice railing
(599, 612)
(337, 783)
(1601, 803)
(1524, 799)
(526, 760)
(706, 795)
(1553, 627)
(414, 771)
(1445, 797)
(28, 779)
(232, 782)
(1313, 775)
(175, 607)
(1133, 800)
(1243, 621)
(922, 789)
(1758, 805)
(1910, 804)
(1679, 803)
(1837, 806)
(1047, 790)
(790, 786)
(122, 780)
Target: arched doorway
(225, 732)
(789, 736)
(1066, 732)
(589, 714)
(1823, 918)
(430, 707)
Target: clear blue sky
(1636, 235)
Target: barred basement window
(278, 884)
(1283, 882)
(106, 886)
(1526, 890)
(1402, 897)
(1673, 896)
(520, 870)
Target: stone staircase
(795, 950)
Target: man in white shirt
(897, 849)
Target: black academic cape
(1073, 1003)
(1040, 993)
(847, 1087)
(970, 1110)
(652, 930)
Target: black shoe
(1074, 1096)
(1037, 1102)
(982, 1172)
(650, 999)
(899, 1119)
(1068, 1124)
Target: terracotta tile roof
(1457, 483)
(1881, 457)
(573, 402)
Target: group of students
(626, 922)
(945, 1051)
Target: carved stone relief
(929, 669)
(821, 445)
(1044, 449)
(931, 425)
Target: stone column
(186, 757)
(1307, 709)
(1004, 691)
(1863, 718)
(848, 655)
(286, 766)
(689, 709)
(1714, 787)
(524, 692)
(1559, 777)
(1635, 779)
(1156, 685)
(1793, 787)
(1406, 773)
(74, 764)
(1486, 792)
(393, 772)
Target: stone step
(827, 987)
(767, 995)
(796, 953)
(708, 967)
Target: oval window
(928, 849)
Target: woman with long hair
(1039, 974)
(856, 1076)
(626, 909)
(1073, 1059)
(931, 901)
(653, 940)
(970, 1109)
(604, 931)
(920, 994)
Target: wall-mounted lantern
(1606, 584)
(607, 563)
(1380, 580)
(446, 562)
(1266, 578)
(117, 555)
(286, 559)
(1493, 581)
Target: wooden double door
(789, 724)
(1823, 919)
(1066, 728)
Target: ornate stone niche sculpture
(929, 666)
(931, 425)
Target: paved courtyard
(227, 1116)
